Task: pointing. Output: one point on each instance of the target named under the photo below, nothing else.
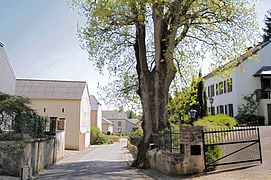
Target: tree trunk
(154, 84)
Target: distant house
(107, 126)
(7, 75)
(248, 76)
(96, 112)
(62, 99)
(117, 118)
(131, 123)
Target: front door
(269, 113)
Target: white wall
(85, 110)
(99, 117)
(7, 76)
(244, 82)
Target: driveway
(100, 162)
(261, 172)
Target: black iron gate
(232, 148)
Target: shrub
(96, 136)
(111, 139)
(250, 119)
(213, 154)
(136, 135)
(216, 121)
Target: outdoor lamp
(192, 114)
(211, 101)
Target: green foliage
(250, 106)
(16, 116)
(216, 121)
(218, 28)
(201, 107)
(13, 146)
(96, 136)
(136, 135)
(213, 154)
(246, 112)
(111, 139)
(267, 29)
(193, 97)
(249, 119)
(10, 136)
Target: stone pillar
(192, 149)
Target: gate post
(192, 148)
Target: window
(221, 109)
(217, 89)
(266, 83)
(44, 109)
(226, 109)
(225, 86)
(63, 110)
(119, 123)
(230, 110)
(220, 87)
(212, 90)
(209, 93)
(217, 109)
(212, 110)
(229, 84)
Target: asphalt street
(101, 162)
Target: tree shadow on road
(91, 170)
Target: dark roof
(239, 60)
(264, 71)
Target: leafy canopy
(217, 30)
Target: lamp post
(211, 101)
(192, 115)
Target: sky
(41, 40)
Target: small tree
(267, 29)
(250, 105)
(201, 98)
(246, 112)
(192, 97)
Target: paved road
(103, 162)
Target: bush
(250, 119)
(111, 139)
(136, 135)
(96, 136)
(213, 154)
(216, 121)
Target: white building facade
(7, 75)
(249, 75)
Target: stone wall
(37, 154)
(132, 148)
(190, 160)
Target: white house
(67, 100)
(7, 75)
(96, 112)
(248, 76)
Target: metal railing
(263, 94)
(168, 140)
